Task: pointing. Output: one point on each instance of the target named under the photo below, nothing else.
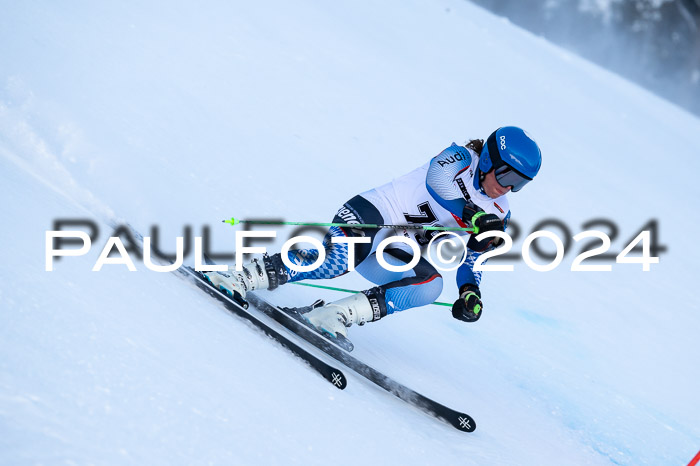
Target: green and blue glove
(481, 222)
(469, 306)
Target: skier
(463, 186)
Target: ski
(458, 420)
(328, 372)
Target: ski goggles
(505, 174)
(508, 176)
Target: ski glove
(480, 220)
(468, 307)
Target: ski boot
(255, 276)
(334, 318)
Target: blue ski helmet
(514, 156)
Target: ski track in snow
(106, 367)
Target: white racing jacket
(435, 194)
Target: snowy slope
(184, 115)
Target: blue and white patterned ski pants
(401, 290)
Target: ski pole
(234, 221)
(345, 290)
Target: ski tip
(464, 422)
(338, 379)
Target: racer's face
(491, 186)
